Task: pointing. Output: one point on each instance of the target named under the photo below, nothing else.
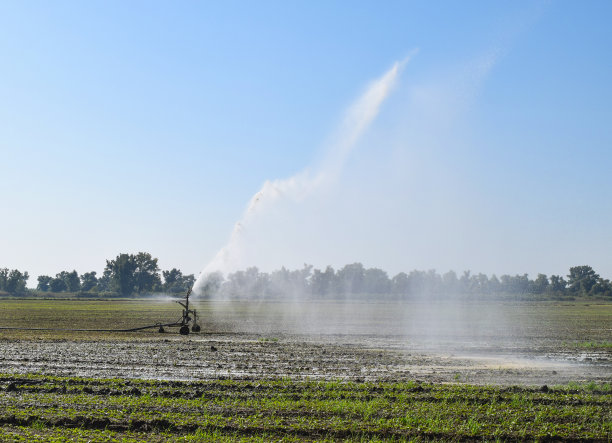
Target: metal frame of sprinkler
(186, 318)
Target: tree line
(127, 274)
(134, 274)
(356, 280)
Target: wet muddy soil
(479, 343)
(247, 356)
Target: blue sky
(148, 126)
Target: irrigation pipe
(15, 328)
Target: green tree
(175, 281)
(73, 282)
(350, 279)
(171, 278)
(88, 281)
(105, 282)
(121, 272)
(518, 284)
(581, 279)
(603, 287)
(540, 284)
(43, 283)
(376, 281)
(450, 282)
(4, 273)
(58, 284)
(284, 282)
(480, 283)
(400, 284)
(465, 282)
(557, 284)
(146, 273)
(418, 283)
(16, 282)
(323, 283)
(494, 284)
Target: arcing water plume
(358, 117)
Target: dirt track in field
(255, 344)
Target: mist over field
(369, 197)
(255, 226)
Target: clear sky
(148, 126)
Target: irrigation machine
(189, 317)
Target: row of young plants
(290, 409)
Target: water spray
(358, 118)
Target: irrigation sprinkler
(186, 318)
(195, 327)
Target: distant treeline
(136, 274)
(355, 280)
(127, 274)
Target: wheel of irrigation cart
(195, 328)
(184, 330)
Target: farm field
(306, 371)
(83, 409)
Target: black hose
(14, 328)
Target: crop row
(286, 409)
